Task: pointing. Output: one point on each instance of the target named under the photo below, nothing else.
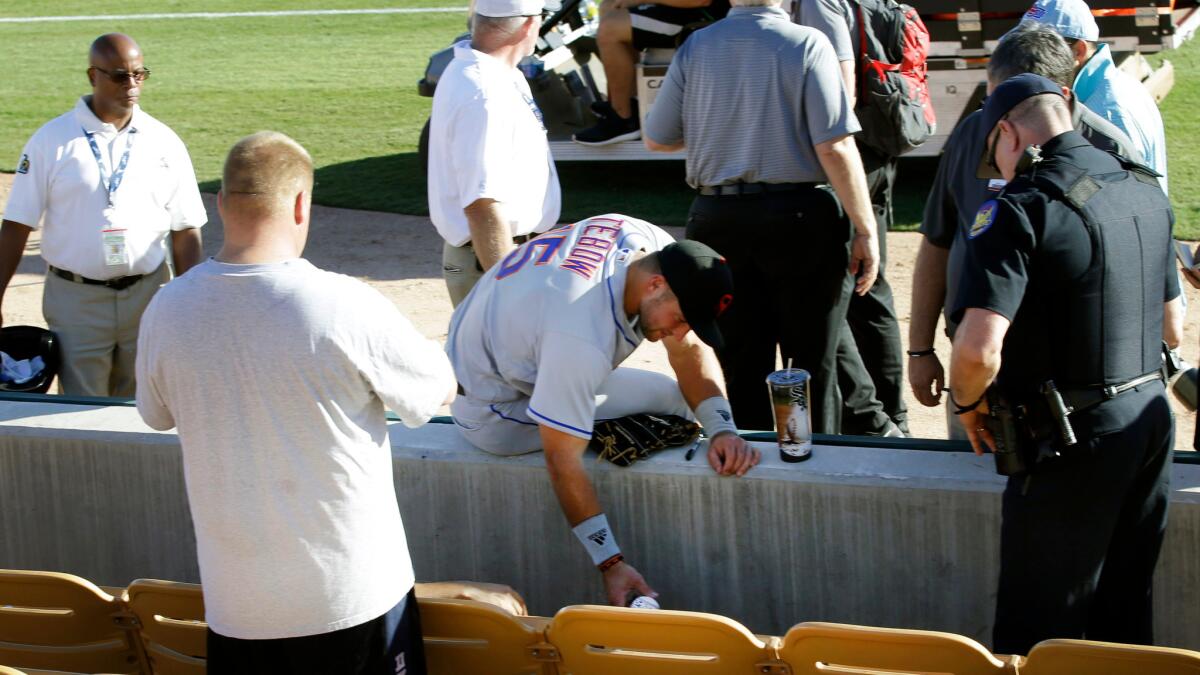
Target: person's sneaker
(610, 127)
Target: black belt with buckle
(738, 189)
(118, 284)
(518, 240)
(1078, 399)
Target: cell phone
(1184, 253)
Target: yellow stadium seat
(839, 649)
(171, 623)
(52, 620)
(597, 640)
(1082, 657)
(463, 637)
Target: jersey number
(514, 261)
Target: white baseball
(644, 602)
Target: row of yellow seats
(63, 622)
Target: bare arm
(700, 378)
(848, 78)
(491, 236)
(186, 249)
(1173, 322)
(577, 497)
(925, 373)
(696, 367)
(843, 166)
(13, 236)
(974, 364)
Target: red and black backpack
(893, 105)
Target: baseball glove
(625, 440)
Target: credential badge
(23, 167)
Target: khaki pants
(97, 329)
(461, 271)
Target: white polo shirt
(58, 188)
(487, 141)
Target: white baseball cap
(499, 9)
(1071, 19)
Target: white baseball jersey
(547, 324)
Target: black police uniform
(1076, 253)
(957, 193)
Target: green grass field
(345, 87)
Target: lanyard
(111, 184)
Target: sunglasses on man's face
(120, 75)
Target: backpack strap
(862, 54)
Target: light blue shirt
(1119, 98)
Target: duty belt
(736, 189)
(117, 284)
(1084, 398)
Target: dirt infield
(400, 256)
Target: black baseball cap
(700, 278)
(1002, 100)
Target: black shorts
(660, 26)
(387, 645)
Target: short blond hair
(265, 171)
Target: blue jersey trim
(556, 422)
(510, 419)
(612, 303)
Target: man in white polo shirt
(492, 181)
(110, 187)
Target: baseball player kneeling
(536, 345)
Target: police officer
(957, 194)
(1056, 369)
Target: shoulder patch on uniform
(23, 167)
(984, 217)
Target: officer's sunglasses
(119, 75)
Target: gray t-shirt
(837, 20)
(276, 376)
(751, 96)
(547, 323)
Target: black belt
(518, 240)
(1082, 399)
(737, 189)
(118, 284)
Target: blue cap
(1071, 19)
(1003, 99)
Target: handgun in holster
(1003, 423)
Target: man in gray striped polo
(760, 105)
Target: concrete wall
(882, 537)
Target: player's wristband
(921, 352)
(597, 537)
(715, 416)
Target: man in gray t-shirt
(760, 106)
